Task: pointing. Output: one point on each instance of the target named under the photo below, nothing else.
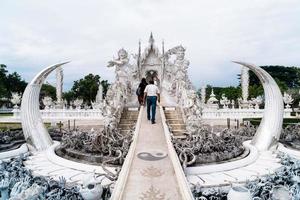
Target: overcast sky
(35, 34)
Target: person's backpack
(139, 91)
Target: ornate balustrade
(97, 114)
(66, 114)
(237, 113)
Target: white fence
(64, 114)
(237, 113)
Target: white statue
(258, 101)
(224, 101)
(47, 101)
(77, 103)
(98, 104)
(232, 103)
(287, 98)
(192, 110)
(181, 66)
(15, 99)
(99, 96)
(121, 64)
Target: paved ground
(152, 174)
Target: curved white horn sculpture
(269, 130)
(33, 127)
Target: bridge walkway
(152, 173)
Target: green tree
(289, 76)
(48, 90)
(3, 79)
(230, 92)
(15, 83)
(69, 96)
(86, 88)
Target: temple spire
(139, 60)
(163, 60)
(151, 40)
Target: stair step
(179, 136)
(128, 121)
(175, 121)
(129, 117)
(173, 118)
(172, 115)
(172, 112)
(177, 126)
(126, 126)
(179, 132)
(169, 108)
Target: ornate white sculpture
(99, 96)
(77, 103)
(98, 104)
(258, 101)
(287, 98)
(269, 130)
(224, 101)
(212, 102)
(32, 124)
(47, 101)
(192, 112)
(122, 67)
(15, 99)
(232, 104)
(22, 192)
(239, 192)
(181, 66)
(91, 188)
(203, 94)
(59, 86)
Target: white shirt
(151, 90)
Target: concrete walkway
(152, 174)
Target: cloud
(36, 33)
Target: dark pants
(151, 102)
(141, 99)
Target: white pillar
(59, 86)
(245, 83)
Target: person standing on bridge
(140, 90)
(151, 94)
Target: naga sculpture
(269, 130)
(33, 127)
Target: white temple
(153, 168)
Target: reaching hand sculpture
(4, 186)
